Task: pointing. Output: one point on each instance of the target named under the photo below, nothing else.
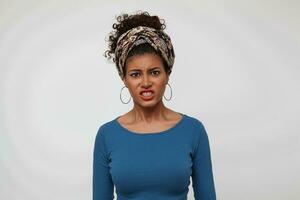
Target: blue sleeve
(103, 187)
(202, 174)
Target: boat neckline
(183, 116)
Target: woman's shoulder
(106, 126)
(194, 120)
(197, 125)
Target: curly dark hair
(126, 22)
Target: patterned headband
(159, 40)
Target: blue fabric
(153, 166)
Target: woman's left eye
(156, 72)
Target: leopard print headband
(143, 34)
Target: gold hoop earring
(121, 96)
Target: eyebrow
(148, 69)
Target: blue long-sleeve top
(153, 166)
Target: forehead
(146, 60)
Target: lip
(146, 91)
(147, 98)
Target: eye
(156, 72)
(134, 74)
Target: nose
(146, 81)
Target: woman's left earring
(171, 93)
(121, 96)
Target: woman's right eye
(133, 74)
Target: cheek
(161, 87)
(133, 88)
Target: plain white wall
(236, 69)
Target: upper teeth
(146, 93)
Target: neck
(149, 114)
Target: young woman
(150, 152)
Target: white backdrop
(236, 69)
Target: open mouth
(147, 95)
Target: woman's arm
(103, 187)
(202, 174)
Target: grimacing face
(146, 72)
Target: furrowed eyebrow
(148, 69)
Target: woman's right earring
(121, 96)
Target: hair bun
(126, 22)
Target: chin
(149, 103)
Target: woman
(150, 152)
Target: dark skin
(146, 71)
